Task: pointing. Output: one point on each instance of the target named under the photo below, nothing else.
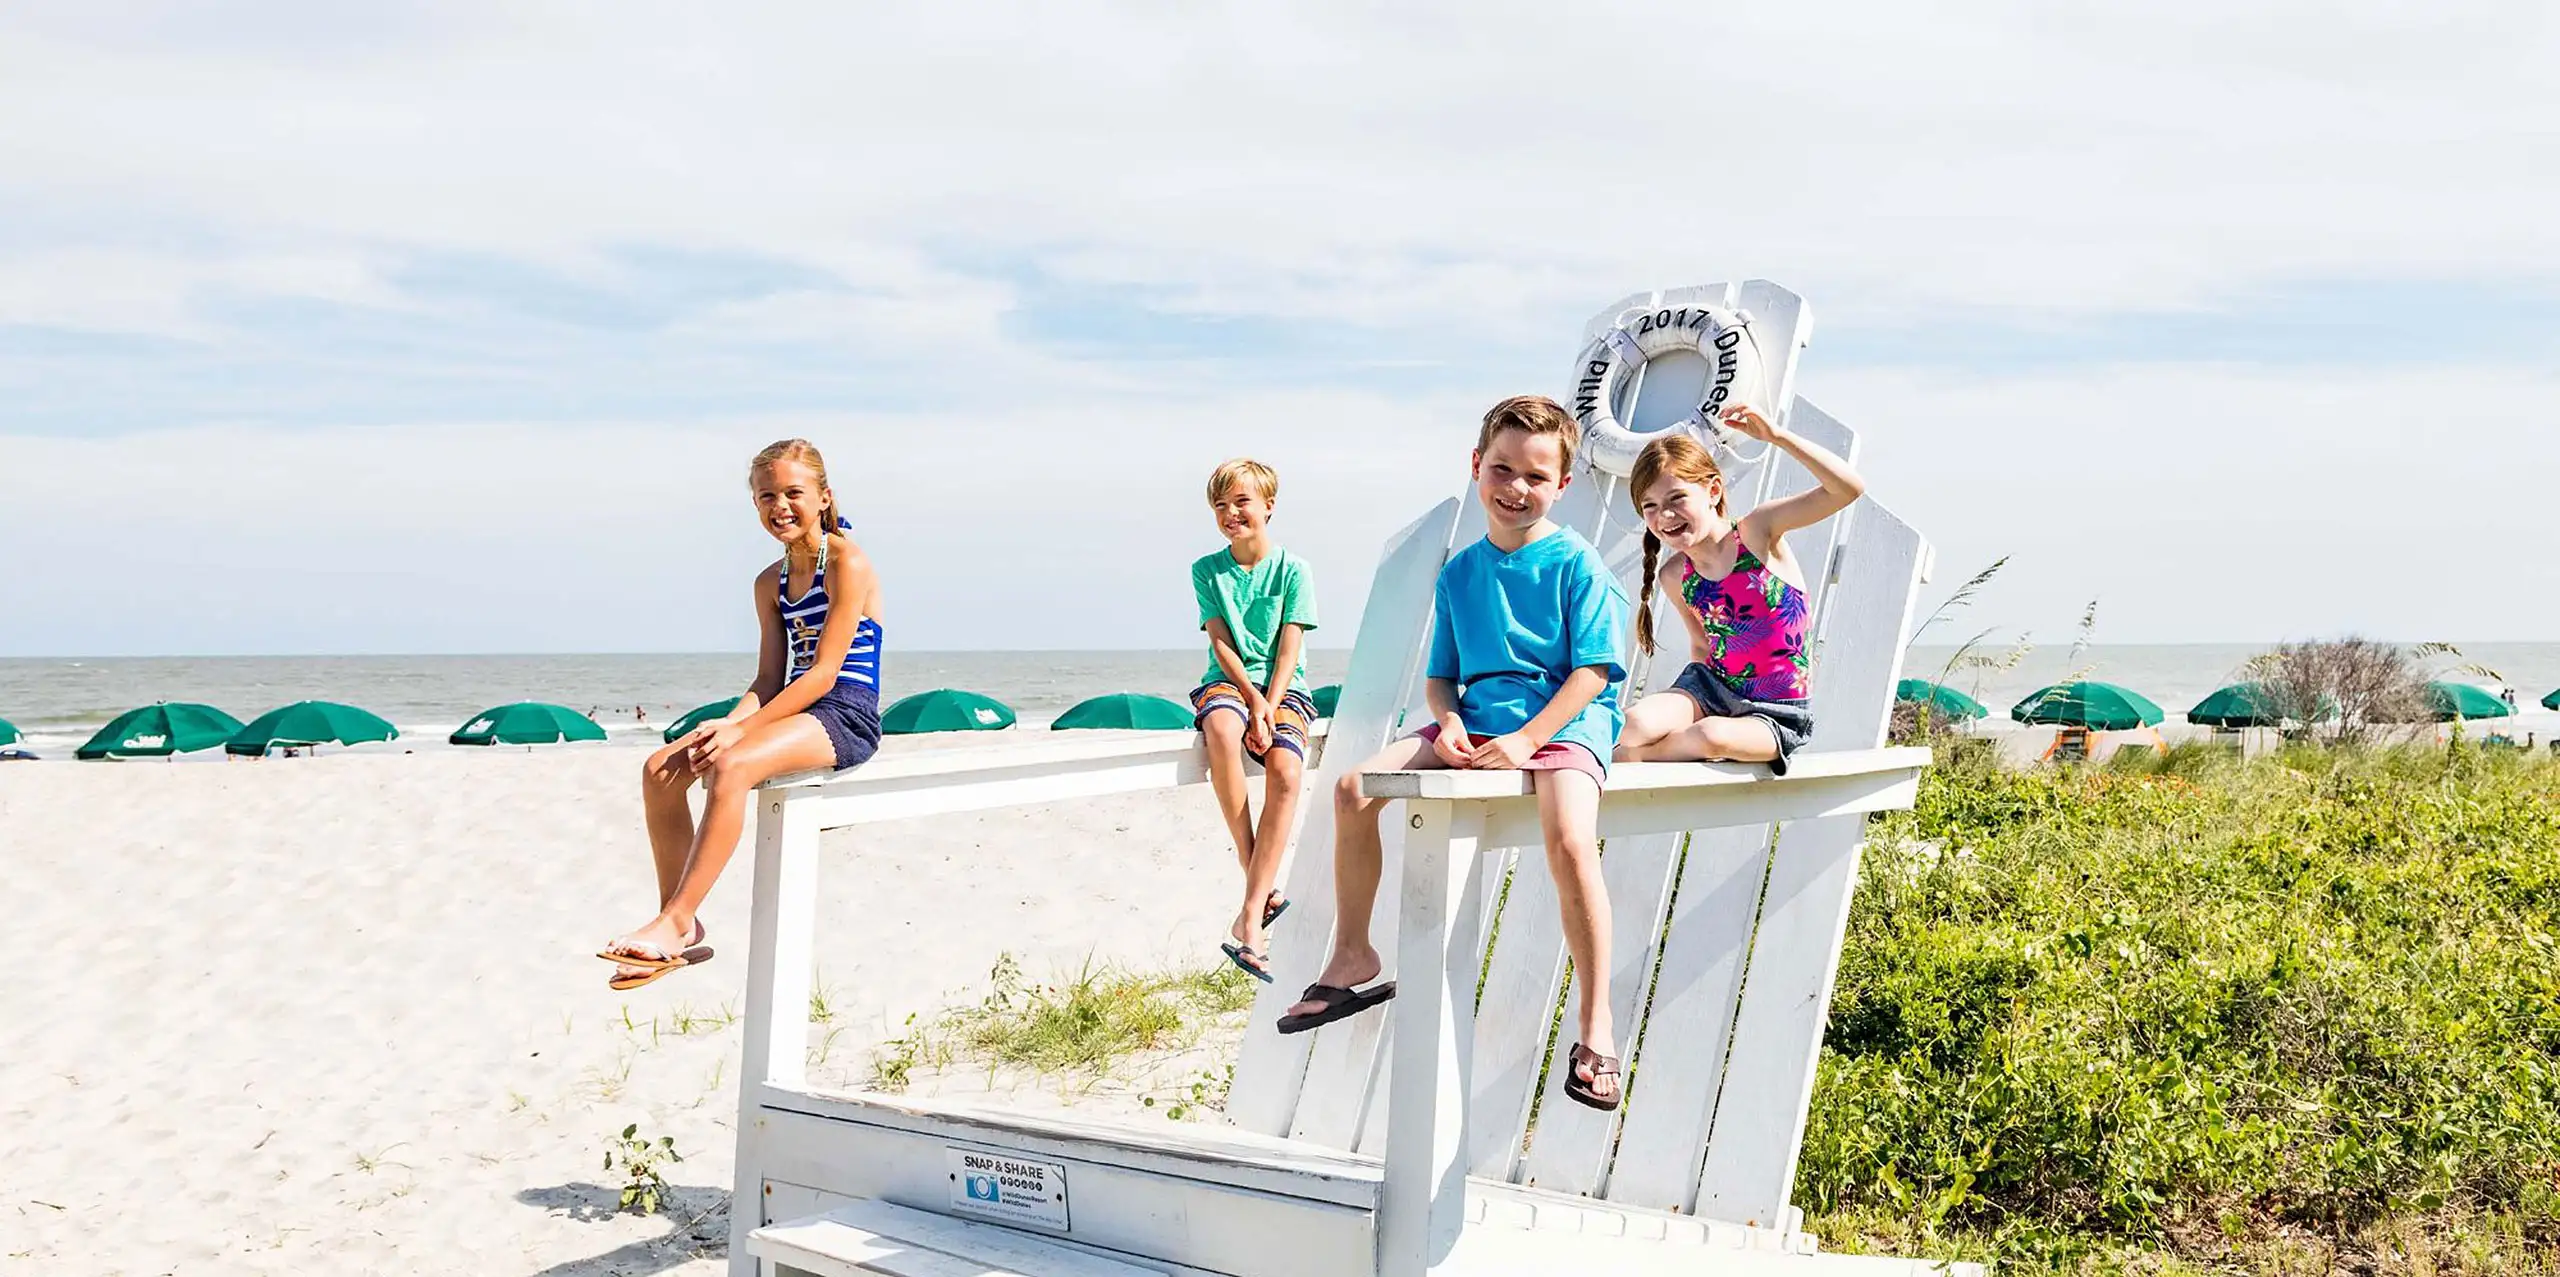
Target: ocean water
(58, 702)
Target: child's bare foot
(663, 942)
(1253, 936)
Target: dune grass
(1083, 1025)
(2185, 1014)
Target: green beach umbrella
(945, 709)
(2240, 705)
(526, 723)
(2100, 707)
(1124, 710)
(9, 734)
(1940, 698)
(699, 715)
(1330, 695)
(309, 723)
(2553, 700)
(179, 727)
(2449, 701)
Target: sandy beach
(341, 1010)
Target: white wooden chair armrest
(1642, 777)
(1654, 798)
(950, 780)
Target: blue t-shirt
(1509, 628)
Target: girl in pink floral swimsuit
(1745, 695)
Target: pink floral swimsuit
(1755, 622)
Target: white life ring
(1737, 375)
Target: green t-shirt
(1254, 602)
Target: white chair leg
(776, 1047)
(1422, 1205)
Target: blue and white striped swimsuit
(850, 710)
(805, 617)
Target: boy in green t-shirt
(1257, 601)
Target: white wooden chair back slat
(1386, 664)
(1521, 977)
(1681, 1054)
(1570, 1144)
(1759, 1123)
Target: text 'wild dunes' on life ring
(1722, 337)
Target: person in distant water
(1746, 695)
(1526, 629)
(815, 704)
(1257, 602)
(638, 715)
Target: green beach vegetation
(2181, 1013)
(1083, 1025)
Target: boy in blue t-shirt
(1526, 629)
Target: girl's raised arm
(1840, 485)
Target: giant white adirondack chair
(1415, 1141)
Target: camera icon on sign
(983, 1188)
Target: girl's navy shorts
(850, 713)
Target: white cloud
(162, 294)
(1352, 162)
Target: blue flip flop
(1247, 961)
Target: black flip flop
(1272, 909)
(1601, 1066)
(1251, 963)
(1339, 1004)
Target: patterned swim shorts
(1289, 718)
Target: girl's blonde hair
(1680, 456)
(806, 453)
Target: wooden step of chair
(877, 1238)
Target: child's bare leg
(796, 743)
(1569, 815)
(1283, 775)
(1650, 720)
(1733, 740)
(1356, 866)
(1223, 733)
(664, 781)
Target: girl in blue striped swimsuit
(815, 704)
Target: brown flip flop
(1583, 1093)
(640, 954)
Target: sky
(451, 327)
